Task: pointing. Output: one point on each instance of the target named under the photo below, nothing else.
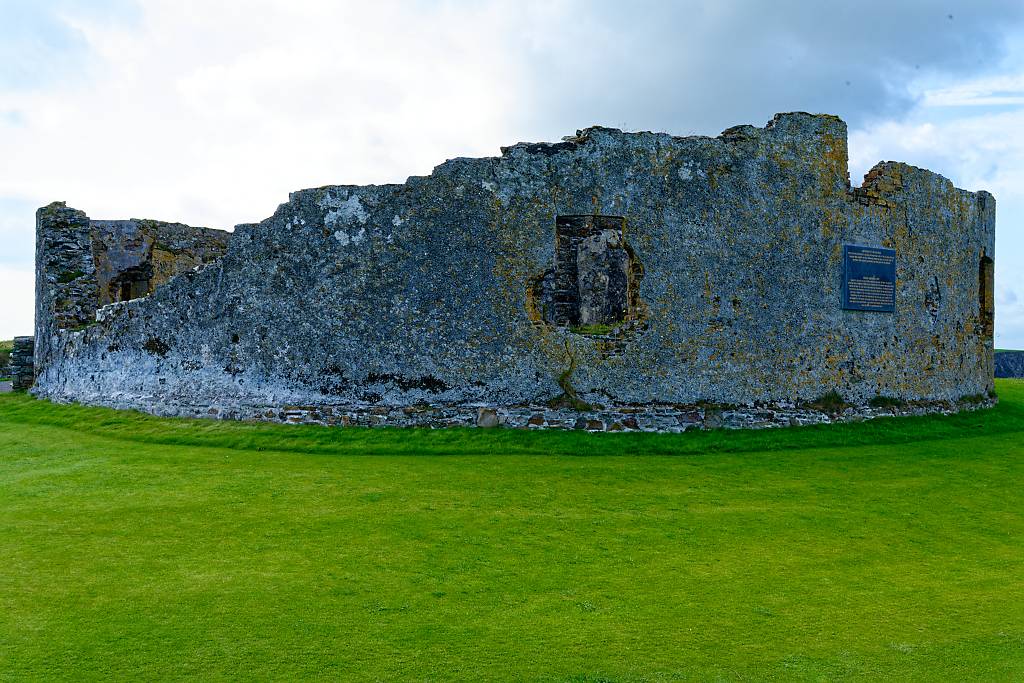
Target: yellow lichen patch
(167, 264)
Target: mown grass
(138, 548)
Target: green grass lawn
(137, 548)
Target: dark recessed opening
(594, 287)
(132, 283)
(986, 296)
(591, 278)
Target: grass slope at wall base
(665, 419)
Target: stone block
(487, 418)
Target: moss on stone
(885, 402)
(594, 330)
(156, 346)
(831, 402)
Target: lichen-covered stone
(134, 257)
(21, 364)
(83, 264)
(487, 418)
(704, 270)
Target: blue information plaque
(869, 278)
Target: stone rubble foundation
(668, 419)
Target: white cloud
(213, 116)
(1010, 311)
(18, 314)
(997, 90)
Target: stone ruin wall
(83, 265)
(22, 369)
(1010, 364)
(612, 280)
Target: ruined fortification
(611, 280)
(1010, 364)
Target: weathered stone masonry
(82, 265)
(1010, 364)
(21, 368)
(613, 280)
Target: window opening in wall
(132, 283)
(594, 287)
(986, 296)
(591, 278)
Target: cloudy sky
(209, 112)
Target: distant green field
(138, 548)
